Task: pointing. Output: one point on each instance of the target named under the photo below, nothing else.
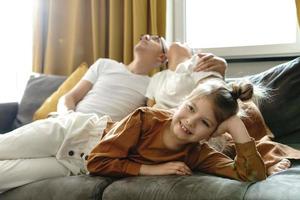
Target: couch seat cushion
(283, 185)
(199, 186)
(67, 188)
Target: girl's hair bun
(242, 90)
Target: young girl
(147, 142)
(158, 142)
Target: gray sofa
(281, 112)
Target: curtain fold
(68, 32)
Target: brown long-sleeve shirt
(137, 140)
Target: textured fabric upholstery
(198, 186)
(8, 112)
(63, 188)
(281, 111)
(284, 185)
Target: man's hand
(210, 62)
(71, 99)
(179, 168)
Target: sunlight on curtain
(15, 48)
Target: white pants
(39, 150)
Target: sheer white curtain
(15, 47)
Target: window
(236, 28)
(15, 48)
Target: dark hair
(224, 96)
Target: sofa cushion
(66, 188)
(50, 104)
(38, 88)
(283, 185)
(8, 112)
(281, 111)
(198, 186)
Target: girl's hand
(223, 127)
(210, 62)
(235, 127)
(179, 168)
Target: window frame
(176, 32)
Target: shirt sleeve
(94, 71)
(152, 87)
(110, 156)
(247, 166)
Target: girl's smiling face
(194, 121)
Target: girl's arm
(248, 164)
(236, 128)
(110, 156)
(168, 168)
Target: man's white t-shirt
(169, 88)
(116, 91)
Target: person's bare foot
(284, 164)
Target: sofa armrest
(8, 112)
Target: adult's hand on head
(210, 62)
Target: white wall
(242, 69)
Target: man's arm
(71, 98)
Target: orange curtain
(69, 32)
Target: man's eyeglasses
(157, 39)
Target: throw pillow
(38, 88)
(51, 102)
